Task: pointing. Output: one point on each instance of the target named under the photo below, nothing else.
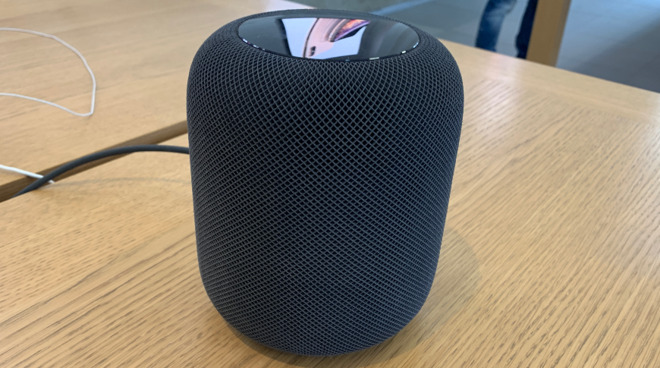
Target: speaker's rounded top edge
(328, 35)
(231, 31)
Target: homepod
(322, 150)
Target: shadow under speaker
(322, 150)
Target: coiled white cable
(91, 74)
(75, 51)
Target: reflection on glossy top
(329, 38)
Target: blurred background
(617, 40)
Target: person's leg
(491, 23)
(525, 33)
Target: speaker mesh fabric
(320, 187)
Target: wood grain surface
(140, 52)
(551, 252)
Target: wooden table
(140, 52)
(551, 253)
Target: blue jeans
(491, 24)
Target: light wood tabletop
(140, 52)
(550, 257)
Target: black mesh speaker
(322, 149)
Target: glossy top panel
(328, 38)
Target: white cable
(91, 110)
(23, 172)
(91, 74)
